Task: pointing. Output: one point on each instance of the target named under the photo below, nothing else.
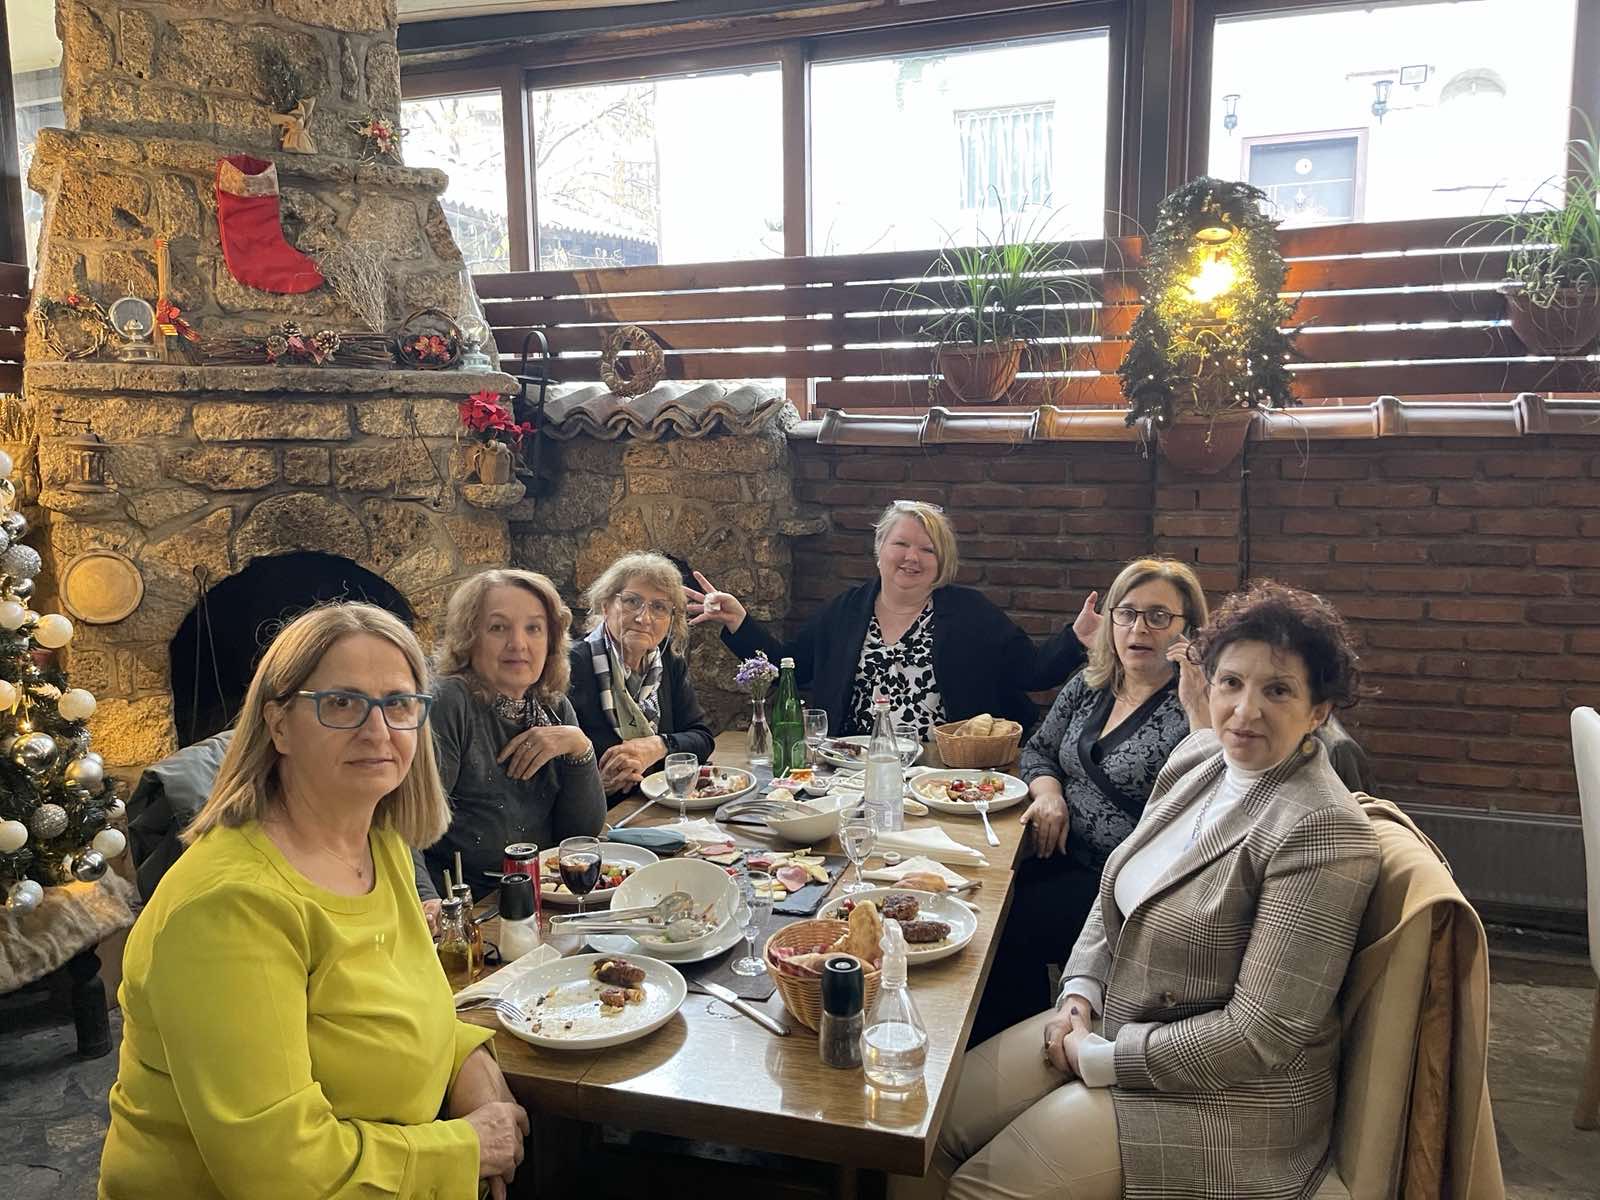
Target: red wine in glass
(580, 871)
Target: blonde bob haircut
(1105, 668)
(465, 610)
(934, 523)
(246, 787)
(656, 570)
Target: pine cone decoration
(326, 341)
(291, 329)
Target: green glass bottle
(788, 723)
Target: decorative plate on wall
(101, 587)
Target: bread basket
(802, 995)
(960, 751)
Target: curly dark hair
(1287, 618)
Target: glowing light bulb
(1214, 278)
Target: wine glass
(908, 741)
(858, 829)
(755, 902)
(682, 770)
(578, 860)
(816, 723)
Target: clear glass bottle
(885, 783)
(455, 944)
(894, 1045)
(463, 893)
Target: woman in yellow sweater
(287, 1031)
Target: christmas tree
(56, 803)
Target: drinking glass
(816, 722)
(578, 860)
(858, 829)
(908, 741)
(681, 771)
(755, 902)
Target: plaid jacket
(1220, 986)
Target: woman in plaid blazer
(1212, 958)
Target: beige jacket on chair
(1221, 984)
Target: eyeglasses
(633, 604)
(914, 506)
(1154, 618)
(349, 710)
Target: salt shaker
(843, 1002)
(519, 924)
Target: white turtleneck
(1147, 865)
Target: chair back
(1586, 758)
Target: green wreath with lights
(1209, 339)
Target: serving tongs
(674, 906)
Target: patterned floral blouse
(904, 673)
(1106, 780)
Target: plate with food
(590, 1001)
(954, 791)
(935, 925)
(716, 785)
(852, 751)
(617, 863)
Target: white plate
(577, 999)
(855, 739)
(616, 852)
(622, 944)
(655, 786)
(962, 920)
(1014, 792)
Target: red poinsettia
(485, 415)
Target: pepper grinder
(843, 1002)
(519, 923)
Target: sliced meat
(619, 971)
(924, 933)
(793, 878)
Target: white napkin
(931, 841)
(700, 830)
(502, 980)
(900, 870)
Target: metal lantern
(87, 459)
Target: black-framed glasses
(349, 710)
(1154, 618)
(633, 604)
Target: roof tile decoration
(690, 410)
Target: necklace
(1194, 834)
(359, 868)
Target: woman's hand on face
(1049, 823)
(1088, 621)
(714, 605)
(624, 765)
(1191, 685)
(525, 754)
(430, 913)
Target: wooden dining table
(712, 1074)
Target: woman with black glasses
(940, 652)
(513, 761)
(1090, 767)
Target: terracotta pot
(1205, 445)
(1567, 327)
(980, 374)
(492, 462)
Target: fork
(509, 1009)
(988, 830)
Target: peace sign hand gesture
(713, 605)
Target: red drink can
(524, 857)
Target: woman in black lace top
(1090, 767)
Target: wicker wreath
(89, 319)
(429, 340)
(641, 370)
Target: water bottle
(788, 724)
(885, 783)
(894, 1045)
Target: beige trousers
(1016, 1131)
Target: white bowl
(708, 885)
(816, 826)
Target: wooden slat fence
(1404, 308)
(13, 306)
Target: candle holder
(134, 321)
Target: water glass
(858, 830)
(755, 902)
(908, 741)
(681, 771)
(816, 722)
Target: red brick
(1584, 641)
(1049, 601)
(1567, 554)
(1217, 581)
(1028, 576)
(1585, 583)
(1519, 641)
(1469, 666)
(1391, 662)
(1196, 524)
(1322, 466)
(838, 495)
(936, 468)
(1456, 720)
(1288, 550)
(1552, 725)
(1417, 745)
(1027, 470)
(1198, 495)
(1504, 611)
(876, 470)
(988, 548)
(1419, 691)
(1533, 524)
(1384, 495)
(1589, 527)
(1412, 637)
(1319, 524)
(1292, 495)
(1068, 497)
(1024, 522)
(1465, 775)
(1510, 695)
(1562, 668)
(1108, 468)
(1380, 608)
(1538, 754)
(988, 495)
(1573, 495)
(1111, 521)
(1489, 495)
(810, 468)
(1561, 612)
(1380, 552)
(1519, 583)
(1544, 464)
(1428, 522)
(1480, 554)
(1416, 579)
(1429, 466)
(1036, 625)
(1563, 783)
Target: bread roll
(923, 881)
(981, 725)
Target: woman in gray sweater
(511, 756)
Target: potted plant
(982, 307)
(1208, 347)
(496, 433)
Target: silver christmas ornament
(21, 562)
(5, 541)
(24, 896)
(85, 773)
(34, 751)
(48, 821)
(22, 589)
(8, 492)
(88, 866)
(15, 525)
(115, 808)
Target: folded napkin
(700, 830)
(900, 870)
(507, 976)
(932, 842)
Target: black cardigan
(983, 662)
(682, 725)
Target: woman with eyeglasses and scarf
(940, 652)
(511, 756)
(630, 679)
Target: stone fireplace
(215, 470)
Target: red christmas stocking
(252, 233)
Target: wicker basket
(960, 751)
(803, 996)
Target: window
(36, 79)
(1394, 112)
(957, 136)
(669, 170)
(463, 136)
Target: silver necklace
(1194, 834)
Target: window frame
(1359, 204)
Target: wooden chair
(1586, 757)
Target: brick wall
(1469, 569)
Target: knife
(619, 824)
(727, 996)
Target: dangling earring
(1308, 744)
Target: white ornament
(11, 614)
(6, 465)
(75, 705)
(54, 631)
(25, 896)
(8, 695)
(110, 842)
(30, 617)
(13, 836)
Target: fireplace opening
(214, 653)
